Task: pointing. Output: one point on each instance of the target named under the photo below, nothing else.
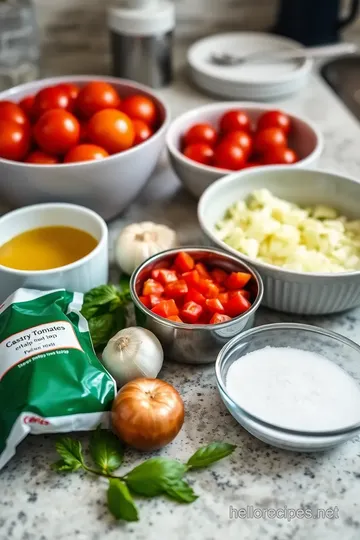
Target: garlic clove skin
(139, 241)
(133, 352)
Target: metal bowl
(194, 343)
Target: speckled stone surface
(38, 504)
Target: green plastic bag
(50, 378)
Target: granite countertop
(38, 504)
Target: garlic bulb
(139, 241)
(133, 352)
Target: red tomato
(237, 304)
(280, 156)
(219, 275)
(269, 138)
(14, 113)
(274, 119)
(153, 299)
(229, 156)
(142, 131)
(195, 296)
(71, 89)
(250, 164)
(111, 129)
(27, 105)
(84, 136)
(191, 312)
(140, 108)
(208, 288)
(14, 140)
(174, 318)
(200, 133)
(166, 308)
(49, 98)
(85, 152)
(237, 280)
(214, 305)
(95, 96)
(184, 262)
(218, 318)
(145, 300)
(200, 152)
(165, 276)
(224, 298)
(57, 131)
(192, 278)
(240, 138)
(177, 289)
(201, 268)
(41, 158)
(235, 120)
(152, 287)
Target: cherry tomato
(14, 113)
(27, 105)
(112, 130)
(274, 119)
(229, 156)
(200, 133)
(200, 152)
(71, 89)
(147, 413)
(84, 136)
(235, 120)
(85, 152)
(53, 97)
(280, 156)
(41, 158)
(269, 138)
(140, 108)
(250, 164)
(240, 138)
(142, 131)
(57, 131)
(14, 140)
(95, 96)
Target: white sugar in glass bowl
(288, 290)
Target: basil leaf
(98, 297)
(62, 466)
(181, 491)
(210, 454)
(124, 286)
(152, 477)
(106, 450)
(120, 502)
(70, 451)
(101, 328)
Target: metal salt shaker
(141, 41)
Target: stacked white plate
(255, 81)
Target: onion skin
(147, 414)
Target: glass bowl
(340, 350)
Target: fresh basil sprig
(154, 477)
(104, 307)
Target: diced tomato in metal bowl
(195, 299)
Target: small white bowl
(287, 290)
(80, 276)
(107, 186)
(305, 139)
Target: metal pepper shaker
(141, 35)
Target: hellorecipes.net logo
(253, 512)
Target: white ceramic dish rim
(259, 264)
(304, 68)
(38, 207)
(283, 326)
(8, 94)
(245, 105)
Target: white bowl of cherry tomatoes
(81, 139)
(209, 142)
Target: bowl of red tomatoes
(194, 300)
(87, 140)
(208, 142)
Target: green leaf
(101, 328)
(106, 450)
(124, 286)
(181, 491)
(97, 297)
(62, 466)
(70, 451)
(210, 454)
(154, 476)
(120, 501)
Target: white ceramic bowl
(107, 186)
(305, 139)
(82, 275)
(286, 290)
